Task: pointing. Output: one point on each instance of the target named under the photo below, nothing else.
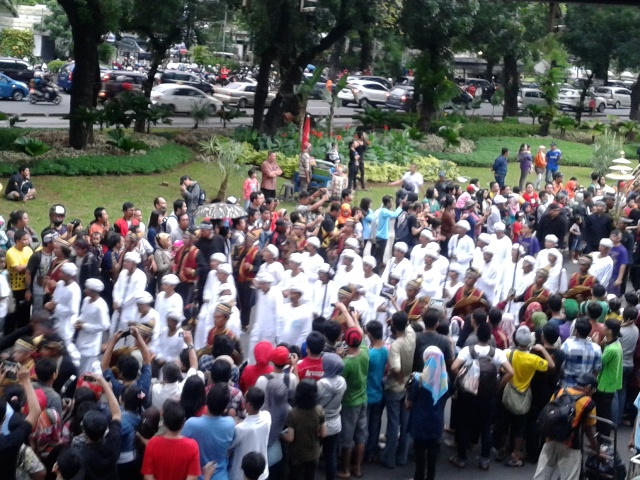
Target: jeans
(523, 179)
(374, 417)
(380, 247)
(361, 170)
(353, 177)
(396, 450)
(426, 455)
(500, 180)
(604, 402)
(330, 450)
(475, 415)
(621, 395)
(548, 175)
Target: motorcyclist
(43, 85)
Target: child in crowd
(250, 185)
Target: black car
(117, 81)
(16, 69)
(186, 78)
(401, 98)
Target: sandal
(514, 463)
(454, 460)
(501, 455)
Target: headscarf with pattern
(434, 374)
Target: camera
(11, 369)
(388, 291)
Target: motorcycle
(49, 95)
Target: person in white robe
(399, 264)
(501, 244)
(271, 265)
(170, 343)
(311, 260)
(420, 250)
(509, 272)
(325, 293)
(234, 324)
(168, 300)
(453, 283)
(371, 284)
(542, 258)
(602, 266)
(384, 306)
(348, 272)
(92, 321)
(265, 313)
(525, 276)
(433, 279)
(294, 276)
(489, 275)
(294, 323)
(461, 245)
(130, 283)
(147, 316)
(557, 281)
(209, 298)
(484, 240)
(65, 306)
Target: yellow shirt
(17, 258)
(525, 365)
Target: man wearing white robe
(168, 300)
(265, 313)
(294, 323)
(348, 272)
(271, 265)
(398, 264)
(294, 276)
(92, 321)
(602, 266)
(509, 272)
(461, 245)
(419, 251)
(484, 240)
(557, 281)
(501, 244)
(542, 259)
(170, 343)
(311, 260)
(325, 293)
(372, 284)
(525, 276)
(433, 279)
(130, 283)
(65, 304)
(490, 275)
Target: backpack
(202, 198)
(374, 229)
(481, 377)
(556, 420)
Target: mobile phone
(89, 378)
(11, 370)
(181, 334)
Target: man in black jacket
(553, 222)
(19, 188)
(597, 226)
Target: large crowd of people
(271, 345)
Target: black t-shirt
(10, 447)
(427, 339)
(326, 228)
(545, 384)
(100, 458)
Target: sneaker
(484, 463)
(574, 261)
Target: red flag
(305, 131)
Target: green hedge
(8, 136)
(155, 160)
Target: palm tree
(562, 123)
(533, 111)
(200, 112)
(228, 154)
(496, 99)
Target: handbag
(515, 401)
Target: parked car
(117, 81)
(240, 94)
(10, 88)
(488, 88)
(363, 93)
(65, 75)
(369, 78)
(401, 98)
(182, 98)
(405, 80)
(530, 96)
(570, 98)
(616, 97)
(186, 78)
(616, 83)
(16, 69)
(462, 98)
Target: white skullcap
(324, 268)
(369, 260)
(551, 238)
(218, 257)
(273, 250)
(485, 238)
(489, 249)
(394, 274)
(225, 268)
(132, 257)
(516, 246)
(314, 241)
(432, 253)
(94, 284)
(69, 268)
(144, 298)
(529, 259)
(464, 224)
(176, 315)
(434, 246)
(457, 268)
(499, 227)
(426, 233)
(297, 288)
(351, 243)
(170, 279)
(296, 258)
(402, 247)
(498, 199)
(264, 277)
(348, 254)
(605, 242)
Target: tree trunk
(511, 84)
(334, 59)
(262, 90)
(551, 17)
(222, 191)
(286, 100)
(583, 95)
(366, 48)
(634, 113)
(427, 112)
(488, 73)
(86, 83)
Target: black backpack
(488, 380)
(556, 420)
(202, 198)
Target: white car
(530, 96)
(182, 98)
(240, 94)
(616, 97)
(570, 98)
(363, 94)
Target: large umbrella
(218, 211)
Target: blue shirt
(130, 422)
(500, 165)
(384, 214)
(214, 436)
(377, 365)
(581, 356)
(366, 225)
(553, 157)
(620, 257)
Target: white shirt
(462, 248)
(499, 357)
(310, 265)
(323, 296)
(264, 318)
(161, 392)
(5, 291)
(372, 287)
(276, 270)
(168, 347)
(432, 282)
(488, 281)
(403, 268)
(67, 299)
(415, 179)
(294, 324)
(494, 217)
(509, 272)
(542, 259)
(125, 292)
(602, 268)
(164, 305)
(300, 279)
(417, 256)
(95, 319)
(344, 277)
(502, 248)
(251, 435)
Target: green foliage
(534, 111)
(159, 159)
(428, 166)
(562, 123)
(477, 128)
(227, 114)
(607, 148)
(227, 154)
(376, 118)
(200, 113)
(31, 146)
(106, 53)
(549, 84)
(54, 66)
(450, 134)
(496, 99)
(8, 136)
(16, 43)
(125, 142)
(56, 27)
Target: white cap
(401, 246)
(313, 241)
(264, 277)
(144, 298)
(464, 224)
(498, 199)
(426, 233)
(132, 257)
(457, 268)
(394, 274)
(296, 258)
(489, 249)
(324, 268)
(69, 268)
(431, 253)
(273, 250)
(176, 315)
(605, 242)
(516, 246)
(218, 257)
(94, 284)
(485, 238)
(352, 243)
(170, 279)
(551, 238)
(225, 268)
(369, 260)
(346, 253)
(434, 246)
(529, 259)
(297, 288)
(499, 227)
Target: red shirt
(251, 373)
(310, 368)
(171, 458)
(532, 199)
(122, 227)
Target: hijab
(532, 308)
(434, 374)
(332, 365)
(47, 433)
